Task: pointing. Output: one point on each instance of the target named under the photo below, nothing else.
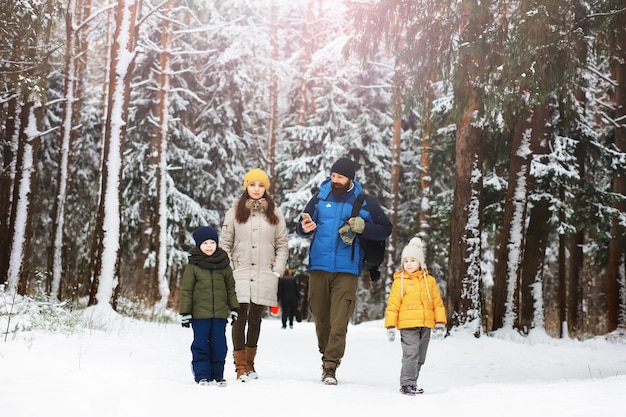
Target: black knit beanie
(345, 167)
(205, 233)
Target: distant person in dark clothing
(289, 298)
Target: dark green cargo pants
(332, 299)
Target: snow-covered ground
(117, 366)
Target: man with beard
(335, 257)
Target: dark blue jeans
(208, 349)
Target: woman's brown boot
(241, 365)
(250, 354)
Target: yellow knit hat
(256, 174)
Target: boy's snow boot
(220, 382)
(250, 355)
(241, 365)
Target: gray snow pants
(414, 347)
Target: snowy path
(142, 369)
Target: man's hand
(308, 225)
(357, 224)
(346, 234)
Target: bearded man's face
(339, 184)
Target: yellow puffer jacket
(414, 301)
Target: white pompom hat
(415, 249)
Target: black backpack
(374, 249)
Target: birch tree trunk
(108, 220)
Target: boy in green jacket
(207, 300)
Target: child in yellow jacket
(414, 307)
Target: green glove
(184, 321)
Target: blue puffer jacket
(328, 252)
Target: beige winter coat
(258, 254)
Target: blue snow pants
(208, 349)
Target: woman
(254, 235)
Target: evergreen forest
(494, 130)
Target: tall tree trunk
(464, 276)
(271, 141)
(392, 243)
(306, 106)
(562, 272)
(463, 295)
(616, 268)
(572, 271)
(151, 281)
(425, 174)
(509, 248)
(96, 242)
(67, 128)
(575, 263)
(536, 234)
(108, 219)
(31, 116)
(7, 178)
(161, 177)
(25, 177)
(81, 274)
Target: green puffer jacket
(208, 286)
